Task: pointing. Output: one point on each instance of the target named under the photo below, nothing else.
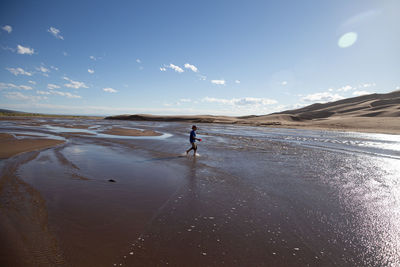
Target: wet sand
(254, 197)
(11, 146)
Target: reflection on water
(383, 144)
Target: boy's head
(194, 127)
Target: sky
(194, 57)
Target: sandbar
(131, 132)
(10, 146)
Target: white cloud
(138, 60)
(32, 82)
(237, 81)
(7, 28)
(13, 86)
(109, 90)
(322, 97)
(91, 71)
(94, 58)
(66, 94)
(25, 50)
(284, 83)
(53, 67)
(345, 88)
(366, 85)
(192, 67)
(218, 82)
(163, 69)
(20, 96)
(254, 101)
(217, 100)
(202, 77)
(55, 32)
(74, 84)
(176, 68)
(19, 71)
(25, 87)
(185, 100)
(245, 101)
(65, 53)
(42, 69)
(42, 92)
(8, 48)
(241, 106)
(53, 92)
(52, 86)
(358, 93)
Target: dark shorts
(194, 145)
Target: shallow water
(254, 196)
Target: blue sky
(194, 57)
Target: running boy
(193, 140)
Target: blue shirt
(192, 136)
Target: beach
(91, 192)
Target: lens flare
(347, 39)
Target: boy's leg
(194, 148)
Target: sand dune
(368, 113)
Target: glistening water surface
(255, 196)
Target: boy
(193, 140)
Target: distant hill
(370, 113)
(7, 111)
